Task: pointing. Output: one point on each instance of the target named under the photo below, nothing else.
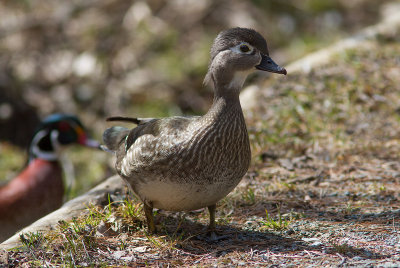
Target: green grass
(249, 196)
(277, 224)
(72, 242)
(32, 239)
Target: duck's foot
(214, 237)
(211, 236)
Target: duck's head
(55, 132)
(234, 54)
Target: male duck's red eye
(244, 48)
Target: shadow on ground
(193, 238)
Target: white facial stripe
(259, 53)
(54, 140)
(51, 156)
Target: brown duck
(186, 163)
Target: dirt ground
(323, 189)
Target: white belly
(182, 196)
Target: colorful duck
(39, 188)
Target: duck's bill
(91, 143)
(268, 65)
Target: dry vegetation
(322, 189)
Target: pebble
(315, 242)
(118, 254)
(140, 249)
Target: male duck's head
(56, 131)
(235, 53)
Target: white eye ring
(243, 48)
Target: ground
(322, 189)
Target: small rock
(140, 249)
(286, 163)
(127, 258)
(103, 229)
(119, 254)
(315, 242)
(3, 257)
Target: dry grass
(326, 168)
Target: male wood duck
(186, 163)
(39, 188)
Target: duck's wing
(150, 142)
(116, 137)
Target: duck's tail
(113, 137)
(124, 119)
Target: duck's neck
(224, 104)
(225, 109)
(226, 94)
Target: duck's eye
(244, 48)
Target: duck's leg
(211, 227)
(211, 210)
(148, 211)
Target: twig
(341, 257)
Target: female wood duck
(39, 188)
(187, 163)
